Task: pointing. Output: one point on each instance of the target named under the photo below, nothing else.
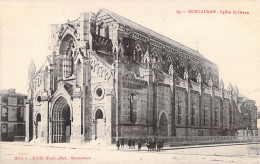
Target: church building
(107, 77)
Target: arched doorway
(163, 125)
(99, 124)
(61, 123)
(38, 125)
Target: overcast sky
(229, 40)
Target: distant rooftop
(11, 91)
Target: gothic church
(107, 77)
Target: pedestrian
(148, 144)
(133, 144)
(129, 142)
(153, 144)
(159, 145)
(139, 145)
(122, 142)
(117, 144)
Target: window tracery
(193, 73)
(169, 67)
(181, 69)
(155, 60)
(138, 53)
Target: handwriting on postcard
(51, 158)
(212, 12)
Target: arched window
(179, 112)
(67, 52)
(99, 114)
(204, 77)
(205, 119)
(193, 114)
(138, 53)
(155, 60)
(216, 116)
(133, 112)
(181, 69)
(193, 73)
(169, 66)
(146, 59)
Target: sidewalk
(113, 147)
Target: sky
(232, 41)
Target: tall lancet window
(155, 60)
(193, 114)
(181, 69)
(205, 119)
(179, 112)
(138, 53)
(67, 52)
(193, 74)
(216, 116)
(132, 109)
(68, 59)
(169, 66)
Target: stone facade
(13, 115)
(108, 77)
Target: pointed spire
(236, 89)
(221, 84)
(230, 87)
(32, 64)
(31, 70)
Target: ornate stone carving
(171, 70)
(221, 85)
(186, 75)
(210, 82)
(199, 78)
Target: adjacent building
(106, 77)
(12, 118)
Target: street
(64, 153)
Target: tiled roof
(141, 28)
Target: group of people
(130, 143)
(151, 144)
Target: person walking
(117, 144)
(159, 145)
(129, 142)
(122, 142)
(139, 145)
(133, 144)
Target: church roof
(138, 27)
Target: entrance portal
(61, 123)
(38, 125)
(99, 124)
(163, 125)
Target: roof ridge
(167, 38)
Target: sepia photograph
(159, 81)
